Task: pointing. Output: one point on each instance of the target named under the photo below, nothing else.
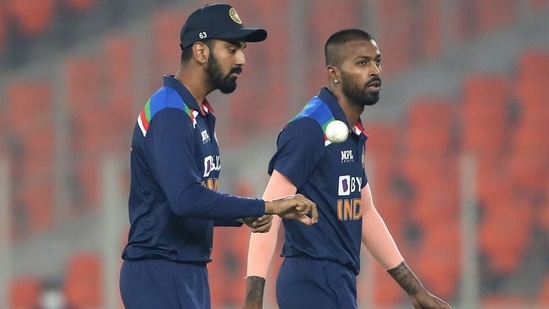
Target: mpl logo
(348, 184)
(211, 164)
(347, 156)
(205, 136)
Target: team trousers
(159, 283)
(305, 283)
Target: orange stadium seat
(83, 78)
(38, 197)
(3, 24)
(533, 76)
(29, 109)
(530, 155)
(119, 55)
(87, 102)
(484, 113)
(534, 63)
(543, 294)
(437, 200)
(166, 27)
(421, 168)
(539, 3)
(322, 11)
(529, 160)
(493, 14)
(216, 271)
(380, 161)
(33, 17)
(499, 300)
(386, 291)
(504, 233)
(81, 5)
(429, 126)
(439, 260)
(431, 28)
(30, 120)
(83, 280)
(269, 13)
(228, 267)
(24, 292)
(90, 134)
(543, 216)
(395, 34)
(478, 17)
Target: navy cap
(217, 21)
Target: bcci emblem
(234, 16)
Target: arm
(170, 153)
(262, 246)
(379, 242)
(375, 235)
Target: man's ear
(333, 73)
(200, 52)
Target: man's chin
(227, 90)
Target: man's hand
(295, 207)
(259, 225)
(255, 287)
(426, 300)
(419, 296)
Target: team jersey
(175, 165)
(332, 175)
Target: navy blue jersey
(175, 165)
(332, 175)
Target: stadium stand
(484, 114)
(500, 116)
(30, 124)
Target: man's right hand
(255, 287)
(295, 207)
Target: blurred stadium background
(458, 155)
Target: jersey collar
(170, 81)
(328, 97)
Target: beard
(359, 93)
(225, 83)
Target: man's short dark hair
(334, 43)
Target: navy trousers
(305, 283)
(157, 283)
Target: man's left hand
(261, 224)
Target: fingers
(262, 224)
(305, 219)
(304, 208)
(314, 214)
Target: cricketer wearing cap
(321, 262)
(175, 165)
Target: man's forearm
(404, 276)
(255, 287)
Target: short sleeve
(300, 146)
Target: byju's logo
(344, 185)
(211, 164)
(348, 184)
